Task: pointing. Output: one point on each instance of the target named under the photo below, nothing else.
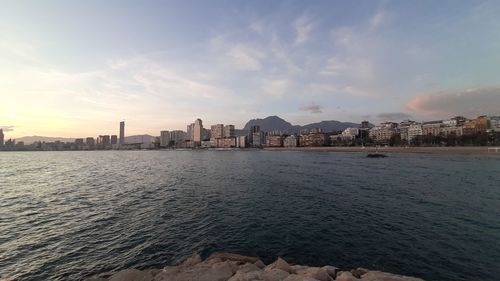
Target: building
(313, 139)
(122, 133)
(178, 138)
(476, 126)
(114, 139)
(229, 131)
(104, 142)
(90, 142)
(197, 132)
(432, 128)
(350, 133)
(242, 142)
(164, 139)
(493, 124)
(258, 139)
(190, 132)
(217, 131)
(274, 141)
(451, 130)
(414, 131)
(291, 141)
(383, 133)
(1, 137)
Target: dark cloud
(312, 108)
(393, 116)
(7, 128)
(470, 103)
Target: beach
(465, 150)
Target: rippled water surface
(70, 215)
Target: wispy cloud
(393, 116)
(311, 108)
(469, 102)
(303, 28)
(7, 128)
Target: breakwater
(234, 267)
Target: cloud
(468, 102)
(393, 116)
(276, 87)
(7, 128)
(378, 19)
(312, 108)
(303, 27)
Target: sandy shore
(473, 150)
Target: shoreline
(234, 267)
(462, 150)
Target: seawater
(70, 215)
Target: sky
(77, 68)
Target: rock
(294, 277)
(318, 273)
(248, 267)
(274, 275)
(260, 264)
(279, 264)
(296, 268)
(131, 275)
(233, 257)
(247, 276)
(331, 270)
(358, 272)
(96, 279)
(345, 276)
(193, 260)
(384, 276)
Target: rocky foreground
(233, 267)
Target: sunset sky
(77, 68)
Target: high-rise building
(90, 142)
(114, 139)
(1, 137)
(229, 131)
(190, 132)
(122, 132)
(217, 131)
(164, 138)
(197, 132)
(104, 142)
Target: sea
(73, 215)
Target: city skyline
(158, 64)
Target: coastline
(463, 150)
(234, 267)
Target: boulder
(384, 276)
(294, 277)
(233, 257)
(345, 276)
(358, 272)
(96, 279)
(318, 273)
(279, 264)
(260, 264)
(247, 276)
(131, 275)
(193, 260)
(274, 275)
(296, 268)
(331, 270)
(248, 267)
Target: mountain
(140, 139)
(330, 126)
(272, 123)
(32, 139)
